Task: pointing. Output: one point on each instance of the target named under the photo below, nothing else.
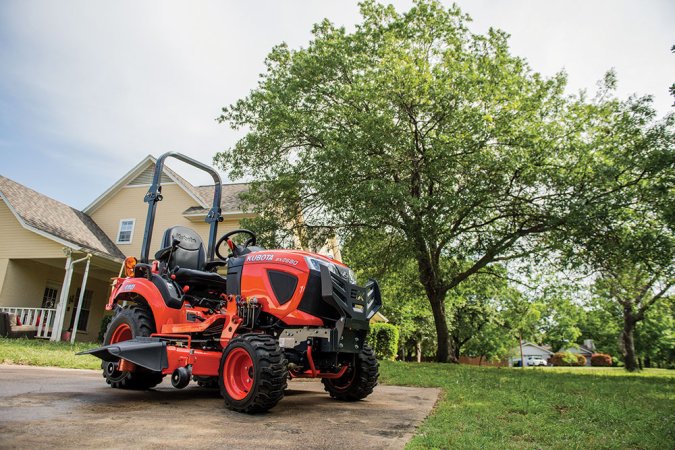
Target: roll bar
(154, 195)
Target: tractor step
(143, 351)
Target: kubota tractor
(277, 314)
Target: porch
(63, 297)
(41, 318)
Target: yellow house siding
(18, 242)
(128, 203)
(25, 283)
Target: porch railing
(42, 318)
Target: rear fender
(129, 289)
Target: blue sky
(87, 89)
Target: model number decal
(256, 258)
(292, 262)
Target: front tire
(359, 380)
(253, 373)
(129, 323)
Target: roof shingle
(230, 200)
(57, 219)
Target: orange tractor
(274, 316)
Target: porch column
(79, 303)
(63, 298)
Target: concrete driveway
(64, 408)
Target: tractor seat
(183, 255)
(200, 282)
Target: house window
(50, 296)
(126, 231)
(84, 312)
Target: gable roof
(582, 349)
(230, 199)
(55, 220)
(540, 347)
(230, 202)
(135, 172)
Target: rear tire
(359, 380)
(129, 323)
(253, 373)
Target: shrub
(383, 338)
(567, 359)
(104, 327)
(616, 362)
(601, 360)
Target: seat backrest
(189, 254)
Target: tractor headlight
(343, 272)
(347, 274)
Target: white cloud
(102, 84)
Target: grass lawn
(38, 352)
(488, 407)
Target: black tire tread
(142, 379)
(272, 370)
(367, 373)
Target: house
(530, 349)
(52, 254)
(586, 350)
(56, 260)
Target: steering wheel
(236, 249)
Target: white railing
(42, 318)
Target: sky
(89, 88)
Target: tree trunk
(627, 339)
(445, 352)
(418, 350)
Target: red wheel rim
(238, 374)
(121, 333)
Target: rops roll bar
(154, 195)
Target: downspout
(79, 303)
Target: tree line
(451, 170)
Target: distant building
(586, 350)
(530, 349)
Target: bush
(567, 359)
(601, 360)
(104, 327)
(383, 338)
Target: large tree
(414, 128)
(628, 242)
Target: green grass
(38, 352)
(488, 407)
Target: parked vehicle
(531, 361)
(277, 314)
(535, 361)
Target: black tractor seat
(183, 258)
(200, 282)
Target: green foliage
(438, 141)
(104, 327)
(655, 335)
(551, 408)
(601, 360)
(383, 338)
(567, 359)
